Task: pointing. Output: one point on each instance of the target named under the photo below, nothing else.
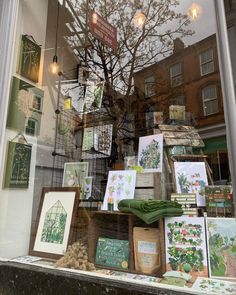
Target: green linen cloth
(150, 210)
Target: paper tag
(147, 247)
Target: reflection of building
(189, 77)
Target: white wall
(16, 204)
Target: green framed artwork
(112, 252)
(17, 165)
(29, 59)
(25, 107)
(55, 222)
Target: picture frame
(29, 58)
(55, 226)
(74, 174)
(25, 107)
(18, 160)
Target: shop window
(37, 103)
(149, 86)
(31, 127)
(178, 100)
(176, 75)
(206, 62)
(210, 100)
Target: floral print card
(191, 178)
(150, 153)
(120, 185)
(186, 245)
(221, 239)
(214, 286)
(74, 174)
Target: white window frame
(149, 86)
(176, 79)
(210, 99)
(210, 61)
(35, 127)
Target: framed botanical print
(55, 222)
(29, 59)
(25, 107)
(17, 165)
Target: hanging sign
(102, 30)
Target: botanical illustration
(186, 245)
(88, 182)
(29, 59)
(214, 286)
(150, 153)
(54, 224)
(191, 177)
(103, 139)
(74, 174)
(25, 105)
(18, 165)
(112, 252)
(93, 97)
(88, 139)
(120, 185)
(130, 161)
(221, 238)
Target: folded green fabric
(151, 210)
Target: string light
(139, 19)
(194, 11)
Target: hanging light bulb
(194, 11)
(139, 19)
(54, 66)
(94, 17)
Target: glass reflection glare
(194, 11)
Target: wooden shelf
(118, 225)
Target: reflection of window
(206, 62)
(31, 127)
(149, 86)
(176, 75)
(210, 100)
(178, 100)
(37, 103)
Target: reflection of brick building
(190, 77)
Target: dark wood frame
(73, 225)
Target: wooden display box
(119, 225)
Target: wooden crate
(119, 225)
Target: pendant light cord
(58, 10)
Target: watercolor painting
(190, 178)
(120, 185)
(74, 174)
(221, 238)
(150, 153)
(204, 285)
(186, 245)
(54, 222)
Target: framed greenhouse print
(150, 153)
(191, 177)
(186, 245)
(29, 59)
(55, 223)
(18, 161)
(25, 107)
(221, 239)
